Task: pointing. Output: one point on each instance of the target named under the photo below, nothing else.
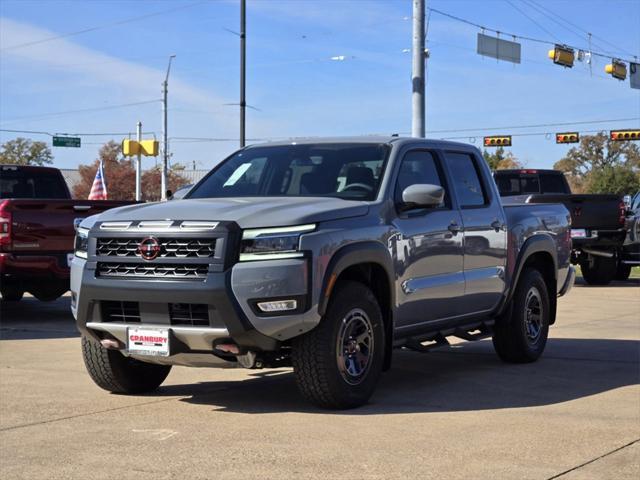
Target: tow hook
(111, 344)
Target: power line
(93, 134)
(100, 27)
(524, 14)
(521, 37)
(83, 110)
(541, 9)
(539, 125)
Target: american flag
(99, 187)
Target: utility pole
(138, 163)
(417, 77)
(165, 142)
(243, 67)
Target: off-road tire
(11, 294)
(510, 337)
(114, 372)
(599, 270)
(315, 354)
(623, 271)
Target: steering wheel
(358, 185)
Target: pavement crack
(594, 459)
(60, 419)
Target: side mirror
(169, 195)
(627, 200)
(422, 195)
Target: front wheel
(114, 372)
(338, 364)
(521, 334)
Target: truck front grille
(116, 311)
(152, 270)
(189, 314)
(169, 247)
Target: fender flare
(540, 242)
(354, 254)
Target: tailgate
(593, 212)
(46, 226)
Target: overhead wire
(518, 36)
(101, 27)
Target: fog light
(278, 306)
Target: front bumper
(230, 297)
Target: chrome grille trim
(170, 248)
(152, 270)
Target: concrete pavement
(452, 413)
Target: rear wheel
(114, 372)
(11, 293)
(623, 271)
(338, 364)
(598, 270)
(520, 336)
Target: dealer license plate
(578, 233)
(148, 341)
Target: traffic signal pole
(418, 97)
(138, 163)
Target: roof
(368, 139)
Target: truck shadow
(33, 319)
(467, 377)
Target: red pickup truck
(37, 231)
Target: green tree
(24, 151)
(501, 160)
(599, 165)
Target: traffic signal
(562, 55)
(130, 148)
(568, 137)
(498, 141)
(617, 69)
(624, 135)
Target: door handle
(496, 225)
(81, 208)
(454, 228)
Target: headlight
(272, 243)
(82, 242)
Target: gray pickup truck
(324, 254)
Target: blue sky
(292, 81)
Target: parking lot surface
(451, 413)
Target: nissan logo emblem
(149, 248)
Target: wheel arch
(370, 264)
(539, 252)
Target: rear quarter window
(465, 175)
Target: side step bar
(470, 333)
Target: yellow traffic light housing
(568, 137)
(562, 55)
(498, 141)
(149, 148)
(617, 69)
(130, 148)
(624, 135)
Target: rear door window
(466, 180)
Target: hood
(247, 212)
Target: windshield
(344, 170)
